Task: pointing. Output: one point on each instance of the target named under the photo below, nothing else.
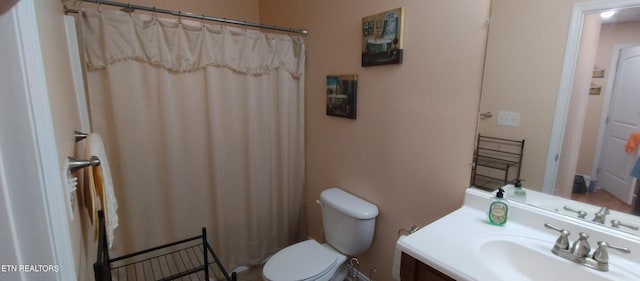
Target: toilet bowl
(306, 260)
(349, 224)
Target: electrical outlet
(508, 118)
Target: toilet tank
(349, 222)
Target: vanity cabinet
(415, 270)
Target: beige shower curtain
(204, 127)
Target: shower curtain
(204, 128)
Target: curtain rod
(132, 7)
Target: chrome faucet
(581, 247)
(581, 214)
(579, 251)
(617, 224)
(562, 243)
(600, 215)
(601, 256)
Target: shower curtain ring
(202, 20)
(155, 13)
(179, 17)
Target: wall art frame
(342, 93)
(382, 38)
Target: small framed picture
(382, 41)
(342, 95)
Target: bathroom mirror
(539, 54)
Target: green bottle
(519, 193)
(498, 209)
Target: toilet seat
(307, 260)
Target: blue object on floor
(636, 169)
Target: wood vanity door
(414, 270)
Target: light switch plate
(508, 118)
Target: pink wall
(410, 149)
(524, 62)
(578, 105)
(63, 104)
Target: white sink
(465, 247)
(525, 258)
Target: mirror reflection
(560, 82)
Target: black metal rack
(188, 259)
(496, 162)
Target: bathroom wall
(63, 103)
(534, 79)
(578, 105)
(529, 86)
(410, 148)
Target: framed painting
(342, 95)
(382, 38)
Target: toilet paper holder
(413, 229)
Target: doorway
(612, 165)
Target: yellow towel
(89, 198)
(101, 186)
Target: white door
(614, 167)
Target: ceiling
(624, 15)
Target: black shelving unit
(188, 259)
(496, 162)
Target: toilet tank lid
(348, 203)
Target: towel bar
(77, 164)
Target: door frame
(32, 176)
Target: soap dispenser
(498, 209)
(518, 192)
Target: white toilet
(349, 223)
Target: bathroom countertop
(452, 244)
(447, 244)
